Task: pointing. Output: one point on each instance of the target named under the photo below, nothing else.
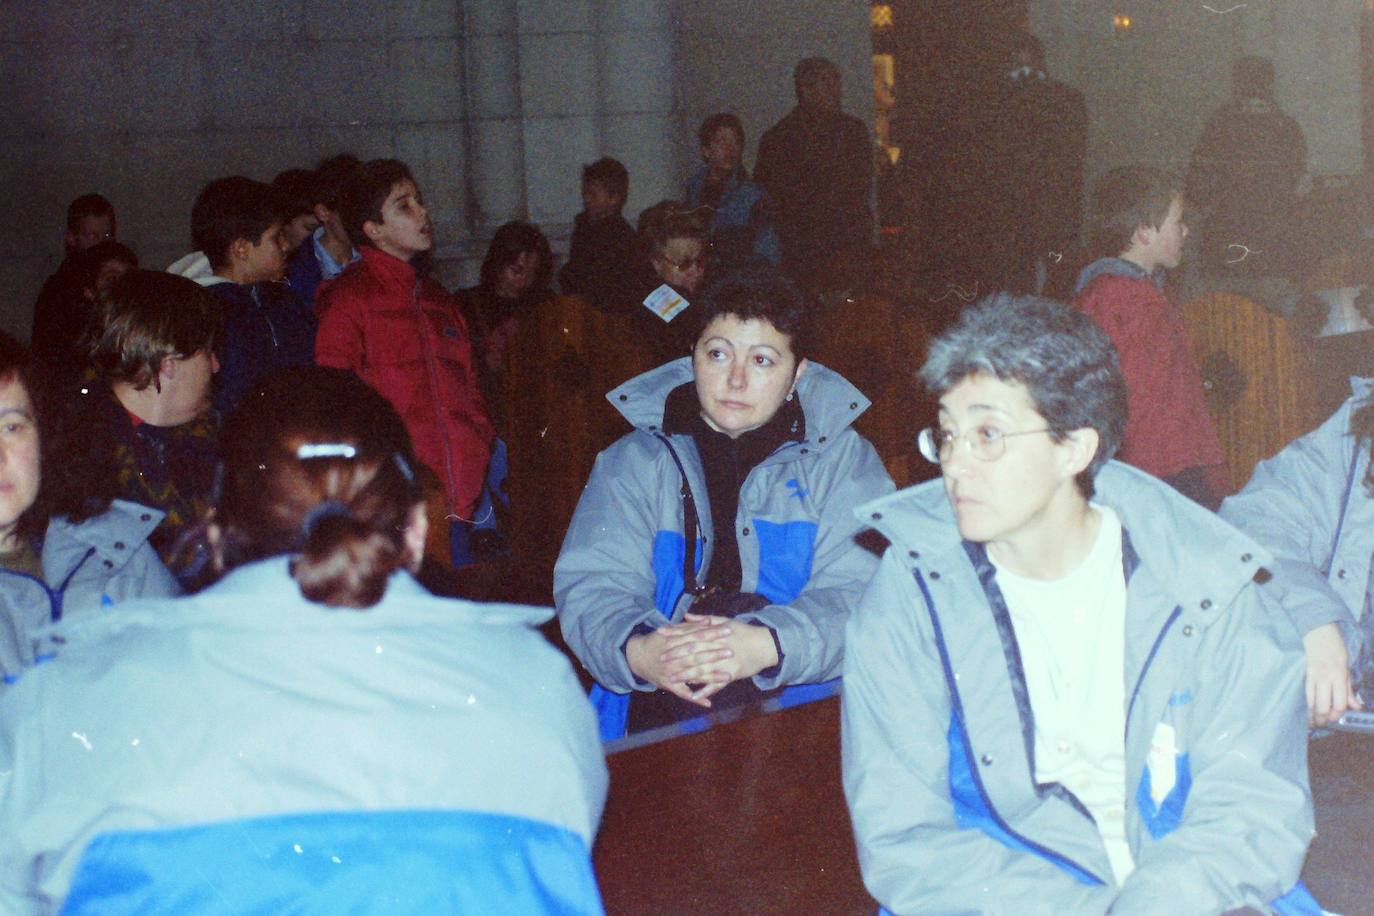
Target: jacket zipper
(432, 372)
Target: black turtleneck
(726, 462)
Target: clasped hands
(695, 658)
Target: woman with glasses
(1064, 683)
(712, 556)
(314, 732)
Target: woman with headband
(313, 731)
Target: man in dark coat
(817, 166)
(1244, 178)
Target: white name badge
(1162, 761)
(665, 303)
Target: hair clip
(325, 450)
(404, 467)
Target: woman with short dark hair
(712, 557)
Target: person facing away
(712, 557)
(298, 220)
(816, 165)
(237, 223)
(61, 307)
(144, 404)
(741, 229)
(1121, 700)
(404, 335)
(328, 250)
(328, 734)
(1244, 177)
(603, 242)
(1138, 229)
(68, 549)
(57, 344)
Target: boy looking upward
(404, 335)
(1121, 701)
(603, 242)
(237, 223)
(1138, 223)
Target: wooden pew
(560, 364)
(1257, 375)
(747, 817)
(879, 346)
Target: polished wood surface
(561, 362)
(747, 817)
(878, 346)
(1258, 378)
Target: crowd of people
(224, 684)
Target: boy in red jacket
(1138, 213)
(403, 334)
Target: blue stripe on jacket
(361, 862)
(786, 555)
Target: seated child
(328, 250)
(1138, 222)
(67, 549)
(237, 223)
(57, 335)
(144, 405)
(603, 243)
(741, 230)
(404, 335)
(90, 220)
(1121, 701)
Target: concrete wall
(495, 104)
(1151, 88)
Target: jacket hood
(1116, 267)
(829, 402)
(1201, 560)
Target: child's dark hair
(318, 465)
(293, 188)
(100, 254)
(330, 177)
(715, 122)
(1125, 199)
(146, 317)
(510, 241)
(610, 173)
(364, 193)
(87, 205)
(229, 209)
(759, 293)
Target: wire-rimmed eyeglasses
(986, 443)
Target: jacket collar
(1116, 267)
(1194, 555)
(114, 534)
(829, 402)
(389, 268)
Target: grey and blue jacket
(1310, 506)
(246, 750)
(87, 568)
(621, 566)
(938, 737)
(741, 227)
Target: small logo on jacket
(795, 486)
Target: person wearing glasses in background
(675, 253)
(1122, 702)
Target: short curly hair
(1065, 361)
